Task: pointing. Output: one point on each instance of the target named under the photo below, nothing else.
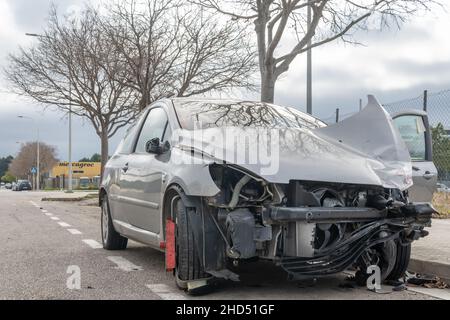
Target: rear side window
(154, 127)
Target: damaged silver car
(216, 182)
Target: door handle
(428, 175)
(125, 168)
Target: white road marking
(93, 244)
(165, 292)
(55, 218)
(48, 214)
(74, 231)
(124, 264)
(64, 225)
(44, 211)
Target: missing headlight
(238, 188)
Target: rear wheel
(188, 268)
(111, 239)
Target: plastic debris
(426, 281)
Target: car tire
(111, 239)
(383, 255)
(188, 267)
(402, 261)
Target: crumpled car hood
(364, 149)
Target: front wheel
(111, 239)
(382, 255)
(188, 267)
(402, 261)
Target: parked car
(8, 186)
(2, 185)
(442, 188)
(340, 196)
(22, 185)
(85, 183)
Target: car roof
(233, 101)
(216, 100)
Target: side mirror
(154, 146)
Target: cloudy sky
(393, 65)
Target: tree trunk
(267, 87)
(144, 101)
(105, 150)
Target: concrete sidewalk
(431, 255)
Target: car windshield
(211, 114)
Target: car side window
(412, 130)
(154, 127)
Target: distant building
(79, 170)
(85, 175)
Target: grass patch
(74, 190)
(441, 202)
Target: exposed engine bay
(312, 229)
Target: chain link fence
(437, 105)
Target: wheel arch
(171, 191)
(213, 247)
(101, 195)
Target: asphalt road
(41, 241)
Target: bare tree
(74, 68)
(26, 159)
(107, 65)
(175, 49)
(275, 20)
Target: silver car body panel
(364, 149)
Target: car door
(415, 130)
(115, 174)
(144, 175)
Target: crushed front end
(311, 229)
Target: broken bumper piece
(323, 215)
(404, 224)
(419, 211)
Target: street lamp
(70, 188)
(309, 65)
(38, 171)
(33, 35)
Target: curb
(64, 199)
(441, 270)
(71, 199)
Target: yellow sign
(79, 169)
